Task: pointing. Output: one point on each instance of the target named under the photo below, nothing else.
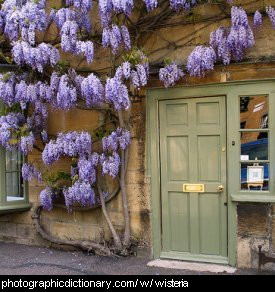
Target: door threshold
(191, 266)
(184, 256)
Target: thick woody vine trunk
(124, 160)
(117, 241)
(86, 245)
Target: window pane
(14, 182)
(254, 145)
(254, 112)
(254, 177)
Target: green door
(193, 153)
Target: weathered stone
(243, 253)
(273, 233)
(92, 232)
(252, 219)
(8, 229)
(66, 230)
(25, 230)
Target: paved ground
(26, 260)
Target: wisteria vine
(43, 82)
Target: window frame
(234, 134)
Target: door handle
(220, 188)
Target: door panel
(192, 150)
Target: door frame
(229, 90)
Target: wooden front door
(193, 153)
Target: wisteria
(218, 41)
(92, 90)
(271, 14)
(72, 144)
(23, 18)
(257, 19)
(170, 74)
(114, 36)
(182, 4)
(116, 93)
(37, 58)
(86, 168)
(240, 35)
(46, 199)
(151, 4)
(110, 164)
(118, 138)
(81, 193)
(201, 60)
(29, 172)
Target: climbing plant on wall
(42, 80)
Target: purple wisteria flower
(84, 5)
(46, 199)
(37, 58)
(218, 41)
(72, 144)
(114, 36)
(257, 19)
(92, 90)
(29, 172)
(81, 193)
(201, 60)
(23, 18)
(110, 164)
(170, 74)
(271, 14)
(178, 5)
(26, 143)
(118, 138)
(116, 93)
(86, 169)
(240, 35)
(151, 4)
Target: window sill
(253, 198)
(7, 209)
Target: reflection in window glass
(254, 146)
(254, 112)
(14, 182)
(254, 177)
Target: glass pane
(14, 182)
(254, 177)
(254, 112)
(13, 161)
(254, 145)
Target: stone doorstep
(191, 266)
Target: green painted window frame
(13, 205)
(231, 91)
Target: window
(254, 138)
(13, 195)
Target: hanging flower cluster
(106, 7)
(178, 5)
(114, 36)
(257, 19)
(110, 159)
(14, 133)
(271, 14)
(70, 22)
(29, 172)
(232, 45)
(23, 18)
(81, 193)
(170, 74)
(201, 60)
(72, 144)
(240, 35)
(151, 4)
(46, 198)
(37, 58)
